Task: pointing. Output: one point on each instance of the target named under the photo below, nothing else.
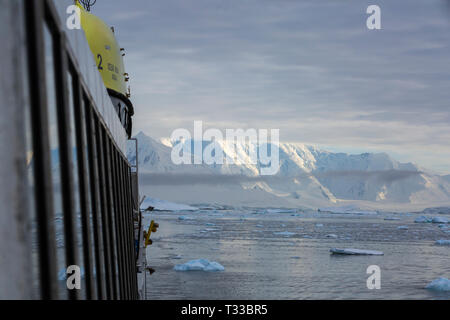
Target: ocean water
(285, 254)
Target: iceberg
(442, 242)
(199, 265)
(348, 251)
(284, 233)
(441, 284)
(423, 219)
(185, 218)
(439, 220)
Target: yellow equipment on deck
(109, 59)
(152, 228)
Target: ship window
(55, 159)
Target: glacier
(308, 178)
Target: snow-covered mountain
(307, 177)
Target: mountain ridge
(307, 176)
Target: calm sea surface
(260, 264)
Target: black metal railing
(95, 176)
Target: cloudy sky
(309, 68)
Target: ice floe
(284, 233)
(402, 227)
(350, 209)
(162, 205)
(280, 210)
(391, 218)
(441, 284)
(439, 220)
(332, 236)
(319, 225)
(442, 242)
(350, 251)
(441, 210)
(199, 265)
(185, 218)
(423, 219)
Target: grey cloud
(288, 65)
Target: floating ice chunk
(209, 224)
(391, 218)
(443, 242)
(356, 252)
(402, 227)
(280, 210)
(211, 229)
(162, 205)
(439, 220)
(333, 236)
(350, 209)
(319, 225)
(295, 257)
(259, 226)
(423, 219)
(284, 233)
(199, 265)
(441, 210)
(185, 218)
(441, 284)
(307, 237)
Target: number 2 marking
(99, 57)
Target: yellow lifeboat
(109, 58)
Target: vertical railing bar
(127, 232)
(110, 211)
(83, 183)
(131, 228)
(65, 151)
(44, 195)
(124, 231)
(119, 224)
(105, 220)
(94, 180)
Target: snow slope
(307, 177)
